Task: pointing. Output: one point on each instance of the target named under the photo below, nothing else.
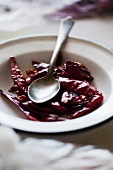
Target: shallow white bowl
(98, 59)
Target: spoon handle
(65, 27)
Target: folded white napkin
(44, 154)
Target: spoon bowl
(48, 87)
(42, 90)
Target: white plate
(98, 59)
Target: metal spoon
(43, 89)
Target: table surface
(100, 30)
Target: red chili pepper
(59, 108)
(39, 66)
(77, 97)
(20, 84)
(33, 75)
(53, 119)
(74, 99)
(16, 102)
(73, 70)
(77, 86)
(89, 107)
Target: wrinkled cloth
(46, 154)
(19, 14)
(83, 9)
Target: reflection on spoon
(43, 89)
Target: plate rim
(24, 37)
(4, 44)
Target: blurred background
(94, 18)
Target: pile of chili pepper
(77, 96)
